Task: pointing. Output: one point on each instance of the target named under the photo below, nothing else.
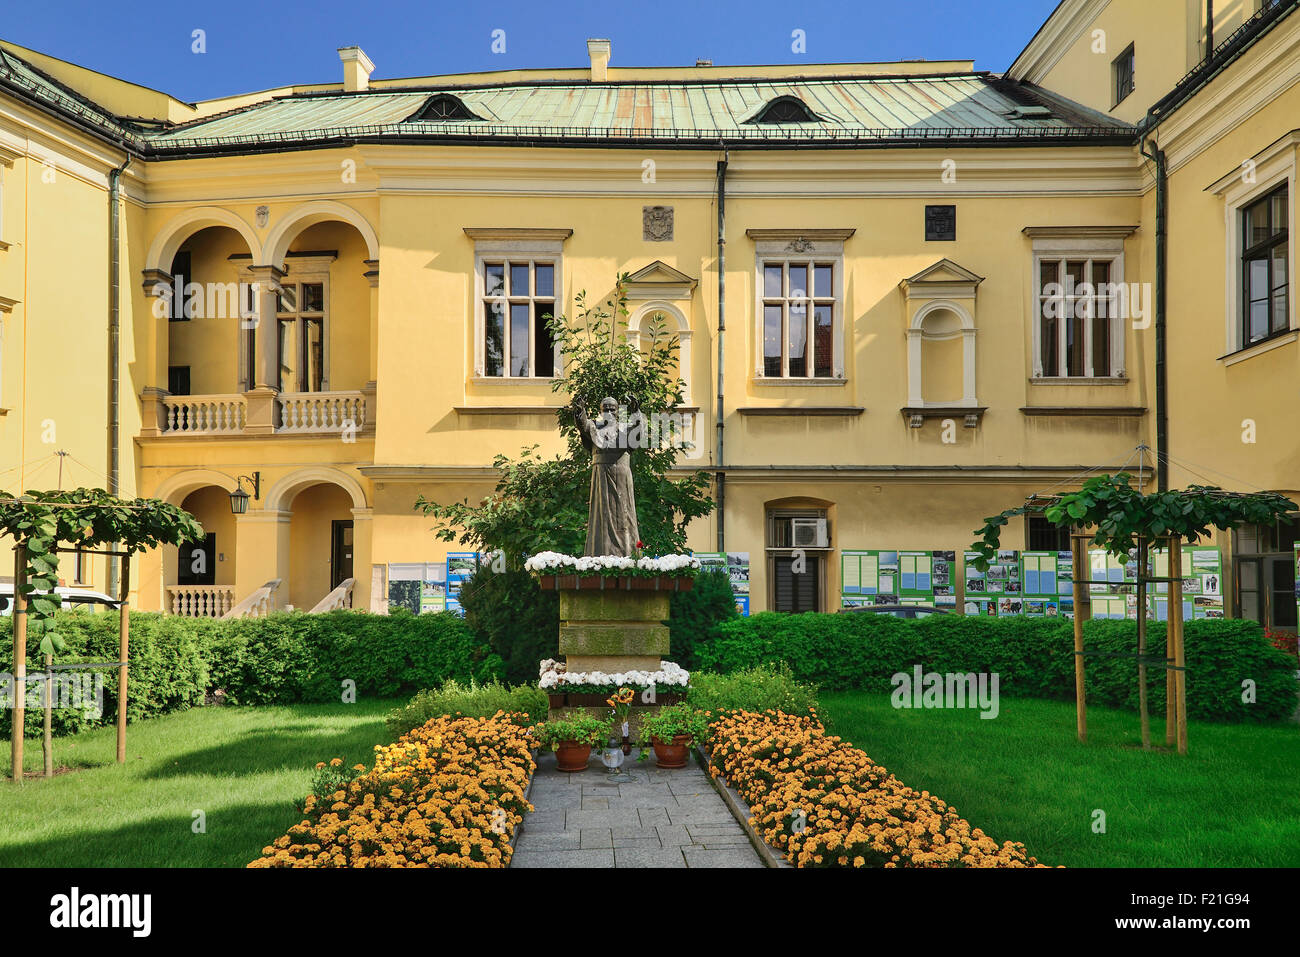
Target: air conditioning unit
(809, 533)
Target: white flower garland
(555, 563)
(555, 674)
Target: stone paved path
(640, 816)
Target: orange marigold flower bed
(448, 794)
(826, 804)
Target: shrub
(515, 617)
(290, 657)
(693, 615)
(1033, 657)
(168, 671)
(825, 804)
(472, 701)
(281, 659)
(765, 687)
(448, 794)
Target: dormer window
(442, 108)
(786, 109)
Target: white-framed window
(798, 318)
(302, 331)
(7, 157)
(518, 288)
(1259, 210)
(1265, 257)
(799, 306)
(517, 305)
(1080, 303)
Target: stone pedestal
(613, 630)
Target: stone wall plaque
(657, 224)
(940, 224)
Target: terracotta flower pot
(672, 754)
(572, 756)
(556, 700)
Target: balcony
(260, 412)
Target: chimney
(356, 69)
(598, 50)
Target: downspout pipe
(1209, 30)
(1157, 156)
(718, 456)
(114, 343)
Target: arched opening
(321, 543)
(941, 358)
(665, 321)
(203, 308)
(200, 575)
(798, 546)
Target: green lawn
(243, 767)
(1023, 776)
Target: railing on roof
(1223, 54)
(166, 144)
(66, 103)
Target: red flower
(640, 545)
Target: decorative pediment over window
(945, 275)
(939, 306)
(658, 280)
(785, 109)
(441, 108)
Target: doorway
(1265, 577)
(340, 552)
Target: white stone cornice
(1065, 25)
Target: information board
(1047, 584)
(736, 565)
(460, 567)
(418, 587)
(886, 577)
(987, 592)
(868, 577)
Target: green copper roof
(851, 108)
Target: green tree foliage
(695, 614)
(1121, 514)
(541, 504)
(89, 517)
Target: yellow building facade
(875, 341)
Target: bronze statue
(611, 519)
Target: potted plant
(671, 732)
(571, 737)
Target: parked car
(901, 611)
(82, 598)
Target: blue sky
(252, 46)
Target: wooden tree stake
(1078, 543)
(47, 742)
(124, 630)
(1143, 712)
(1173, 620)
(20, 661)
(1176, 627)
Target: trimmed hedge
(1034, 657)
(285, 658)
